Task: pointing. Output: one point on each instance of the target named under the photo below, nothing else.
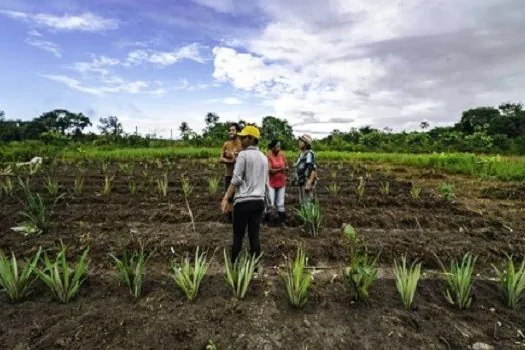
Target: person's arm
(237, 179)
(223, 158)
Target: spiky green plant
(310, 215)
(512, 282)
(78, 186)
(361, 275)
(407, 279)
(132, 185)
(385, 188)
(34, 168)
(459, 281)
(188, 278)
(63, 280)
(131, 269)
(446, 191)
(7, 171)
(415, 191)
(6, 186)
(213, 186)
(333, 189)
(51, 185)
(36, 213)
(333, 174)
(240, 274)
(297, 282)
(108, 184)
(162, 185)
(16, 282)
(105, 167)
(360, 188)
(187, 187)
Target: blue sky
(321, 65)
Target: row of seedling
(64, 280)
(333, 188)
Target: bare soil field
(486, 218)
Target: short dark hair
(273, 143)
(236, 126)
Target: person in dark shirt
(305, 170)
(230, 150)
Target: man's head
(249, 136)
(305, 142)
(233, 129)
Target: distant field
(503, 168)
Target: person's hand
(225, 206)
(308, 187)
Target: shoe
(282, 219)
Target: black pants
(227, 181)
(247, 215)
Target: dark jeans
(227, 181)
(247, 215)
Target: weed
(446, 191)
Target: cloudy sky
(321, 64)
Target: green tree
(110, 126)
(476, 118)
(277, 129)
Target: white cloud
(45, 45)
(131, 87)
(224, 6)
(227, 101)
(167, 58)
(85, 22)
(34, 32)
(381, 63)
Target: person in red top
(277, 167)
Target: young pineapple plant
(105, 168)
(162, 185)
(240, 274)
(188, 278)
(415, 191)
(62, 279)
(36, 213)
(14, 280)
(446, 191)
(512, 282)
(213, 186)
(297, 281)
(333, 174)
(51, 185)
(459, 282)
(108, 184)
(6, 186)
(187, 187)
(362, 271)
(333, 189)
(78, 185)
(385, 188)
(132, 186)
(131, 269)
(360, 188)
(310, 215)
(407, 279)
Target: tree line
(498, 129)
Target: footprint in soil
(410, 321)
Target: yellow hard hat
(250, 130)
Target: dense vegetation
(485, 130)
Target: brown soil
(105, 317)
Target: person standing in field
(247, 192)
(305, 170)
(277, 167)
(230, 150)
